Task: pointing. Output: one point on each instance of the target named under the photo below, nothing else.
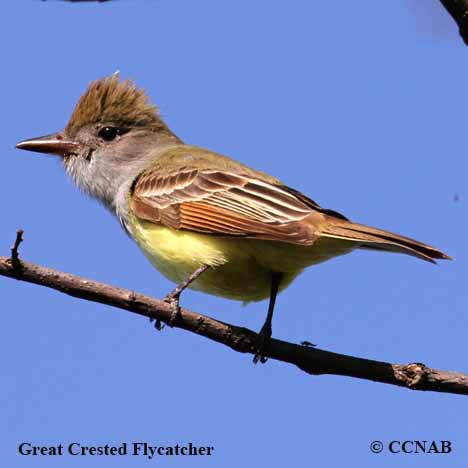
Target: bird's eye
(109, 133)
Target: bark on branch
(314, 361)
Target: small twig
(308, 344)
(14, 258)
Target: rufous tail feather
(378, 239)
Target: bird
(204, 220)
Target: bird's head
(111, 132)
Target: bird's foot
(261, 344)
(157, 324)
(173, 299)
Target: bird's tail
(377, 239)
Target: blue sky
(362, 107)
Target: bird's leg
(174, 296)
(265, 333)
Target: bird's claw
(173, 301)
(259, 358)
(157, 324)
(261, 345)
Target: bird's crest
(109, 100)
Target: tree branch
(314, 361)
(458, 10)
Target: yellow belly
(240, 268)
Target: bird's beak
(51, 144)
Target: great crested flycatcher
(203, 220)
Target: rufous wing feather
(224, 204)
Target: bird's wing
(225, 203)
